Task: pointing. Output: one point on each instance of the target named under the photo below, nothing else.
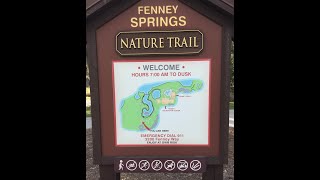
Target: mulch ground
(93, 170)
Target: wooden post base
(214, 172)
(107, 173)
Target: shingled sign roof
(229, 2)
(225, 5)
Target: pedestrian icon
(182, 165)
(195, 165)
(144, 165)
(169, 165)
(156, 165)
(131, 165)
(121, 165)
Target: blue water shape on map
(146, 101)
(156, 94)
(168, 92)
(146, 88)
(137, 96)
(121, 104)
(186, 82)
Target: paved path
(231, 120)
(231, 113)
(88, 123)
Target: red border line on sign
(157, 145)
(159, 60)
(209, 102)
(114, 107)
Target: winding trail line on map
(146, 126)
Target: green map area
(140, 111)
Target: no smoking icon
(195, 165)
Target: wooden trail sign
(159, 85)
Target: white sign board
(162, 103)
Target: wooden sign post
(159, 86)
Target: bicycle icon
(144, 165)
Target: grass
(88, 111)
(231, 105)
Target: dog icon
(169, 165)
